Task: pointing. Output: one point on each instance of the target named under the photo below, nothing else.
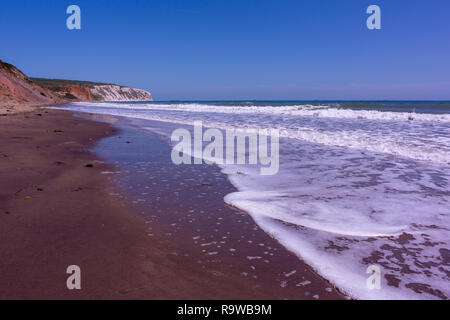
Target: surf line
(257, 153)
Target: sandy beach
(57, 209)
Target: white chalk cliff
(119, 93)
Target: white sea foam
(423, 140)
(342, 211)
(296, 110)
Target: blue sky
(237, 49)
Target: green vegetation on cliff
(60, 82)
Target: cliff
(119, 93)
(92, 91)
(19, 93)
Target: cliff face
(71, 92)
(92, 91)
(20, 93)
(118, 93)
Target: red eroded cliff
(19, 93)
(71, 92)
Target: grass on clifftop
(56, 82)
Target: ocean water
(360, 184)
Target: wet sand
(7, 109)
(55, 211)
(185, 202)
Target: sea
(362, 194)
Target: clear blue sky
(237, 49)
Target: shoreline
(7, 109)
(57, 212)
(188, 207)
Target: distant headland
(20, 93)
